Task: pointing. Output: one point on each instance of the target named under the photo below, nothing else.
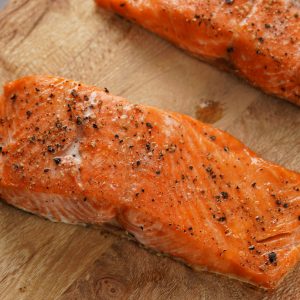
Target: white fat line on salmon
(59, 83)
(196, 142)
(293, 200)
(72, 156)
(254, 160)
(171, 125)
(59, 208)
(252, 12)
(72, 153)
(286, 223)
(10, 133)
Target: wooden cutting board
(73, 38)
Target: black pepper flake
(267, 26)
(74, 93)
(253, 184)
(272, 257)
(106, 90)
(51, 95)
(230, 49)
(1, 149)
(37, 89)
(226, 149)
(224, 195)
(32, 139)
(191, 167)
(138, 163)
(229, 1)
(149, 125)
(95, 126)
(148, 146)
(57, 160)
(212, 137)
(251, 247)
(298, 218)
(157, 172)
(28, 113)
(222, 219)
(85, 199)
(46, 170)
(78, 120)
(285, 205)
(116, 136)
(50, 149)
(278, 202)
(261, 40)
(210, 172)
(16, 166)
(122, 4)
(13, 97)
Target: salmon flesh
(257, 40)
(76, 154)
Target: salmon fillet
(257, 40)
(76, 154)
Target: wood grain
(44, 260)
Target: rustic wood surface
(73, 38)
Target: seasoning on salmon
(159, 175)
(257, 40)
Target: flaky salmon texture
(76, 154)
(257, 40)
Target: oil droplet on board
(209, 111)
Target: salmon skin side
(257, 40)
(76, 154)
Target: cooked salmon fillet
(257, 40)
(76, 154)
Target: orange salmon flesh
(75, 153)
(257, 40)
